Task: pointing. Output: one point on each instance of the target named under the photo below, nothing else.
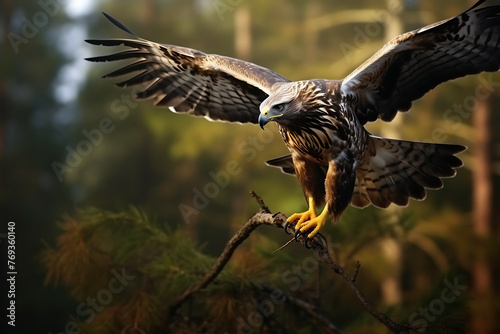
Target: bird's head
(281, 105)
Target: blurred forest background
(435, 262)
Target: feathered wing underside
(395, 171)
(412, 64)
(190, 81)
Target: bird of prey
(336, 160)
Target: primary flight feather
(336, 160)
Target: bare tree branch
(318, 245)
(259, 200)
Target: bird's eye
(279, 107)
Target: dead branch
(318, 245)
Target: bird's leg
(308, 220)
(315, 223)
(300, 218)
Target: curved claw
(307, 224)
(297, 235)
(306, 242)
(286, 227)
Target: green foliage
(251, 292)
(160, 265)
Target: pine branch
(318, 245)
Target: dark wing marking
(412, 64)
(190, 81)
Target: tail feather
(395, 171)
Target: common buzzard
(336, 160)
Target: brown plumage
(335, 159)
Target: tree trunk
(243, 32)
(482, 318)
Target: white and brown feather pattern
(412, 64)
(189, 81)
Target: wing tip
(119, 24)
(93, 41)
(94, 59)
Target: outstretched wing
(413, 63)
(190, 81)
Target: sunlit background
(53, 102)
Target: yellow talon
(316, 224)
(304, 216)
(309, 219)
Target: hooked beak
(263, 120)
(266, 116)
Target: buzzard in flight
(336, 160)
